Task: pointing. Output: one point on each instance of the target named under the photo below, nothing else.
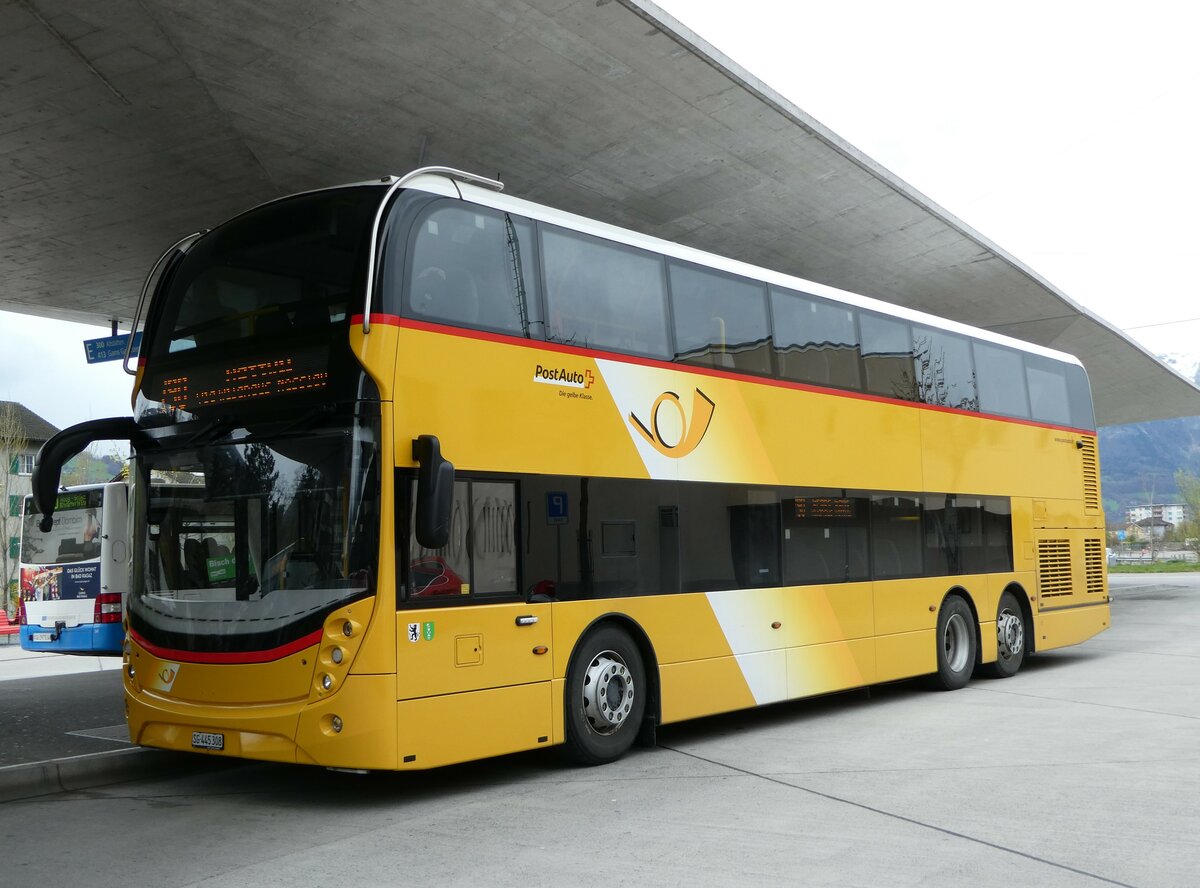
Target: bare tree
(13, 443)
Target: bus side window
(944, 371)
(888, 357)
(1079, 393)
(441, 287)
(896, 545)
(1048, 400)
(475, 267)
(604, 295)
(816, 341)
(720, 320)
(1001, 380)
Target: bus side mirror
(47, 468)
(435, 492)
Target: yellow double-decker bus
(455, 475)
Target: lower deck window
(565, 538)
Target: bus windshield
(257, 538)
(258, 310)
(75, 535)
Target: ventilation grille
(1091, 476)
(1093, 566)
(1054, 568)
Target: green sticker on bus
(220, 569)
(427, 631)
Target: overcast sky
(1064, 132)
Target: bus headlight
(326, 681)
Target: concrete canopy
(127, 124)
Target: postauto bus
(494, 477)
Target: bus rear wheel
(605, 697)
(955, 645)
(1010, 638)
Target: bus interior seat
(447, 292)
(196, 569)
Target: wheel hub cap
(608, 692)
(1010, 634)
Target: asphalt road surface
(1083, 770)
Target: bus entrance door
(472, 682)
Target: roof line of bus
(448, 186)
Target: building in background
(1172, 513)
(22, 433)
(1150, 529)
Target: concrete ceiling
(128, 123)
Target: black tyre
(955, 645)
(1011, 635)
(605, 697)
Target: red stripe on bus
(387, 320)
(543, 345)
(267, 656)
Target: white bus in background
(74, 576)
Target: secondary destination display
(826, 507)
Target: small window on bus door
(816, 341)
(480, 558)
(474, 267)
(604, 295)
(720, 320)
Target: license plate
(43, 636)
(205, 740)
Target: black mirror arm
(47, 469)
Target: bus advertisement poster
(60, 582)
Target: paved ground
(58, 716)
(1083, 770)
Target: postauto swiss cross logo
(561, 376)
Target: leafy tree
(1189, 492)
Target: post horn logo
(693, 431)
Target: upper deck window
(720, 320)
(1001, 381)
(888, 357)
(1048, 397)
(816, 341)
(945, 374)
(475, 267)
(604, 295)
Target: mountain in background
(1138, 461)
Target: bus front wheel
(605, 697)
(955, 645)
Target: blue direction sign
(556, 507)
(110, 348)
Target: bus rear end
(73, 576)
